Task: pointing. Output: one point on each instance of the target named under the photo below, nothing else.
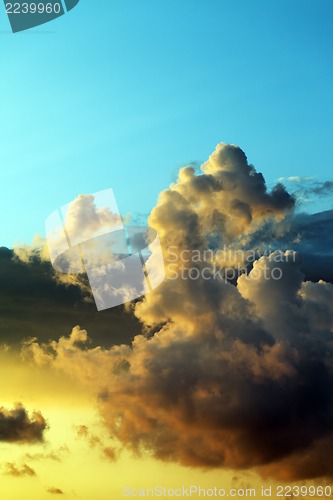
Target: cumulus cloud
(83, 217)
(228, 198)
(77, 234)
(16, 426)
(226, 374)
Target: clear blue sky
(121, 93)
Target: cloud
(30, 253)
(16, 426)
(55, 491)
(228, 197)
(84, 217)
(31, 298)
(236, 375)
(310, 235)
(320, 189)
(11, 469)
(55, 455)
(295, 178)
(109, 452)
(307, 187)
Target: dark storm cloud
(34, 304)
(16, 426)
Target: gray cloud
(318, 189)
(305, 188)
(31, 298)
(16, 426)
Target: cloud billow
(230, 375)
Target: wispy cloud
(109, 452)
(295, 178)
(306, 187)
(11, 469)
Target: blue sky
(121, 94)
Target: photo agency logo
(24, 15)
(122, 262)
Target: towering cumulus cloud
(228, 373)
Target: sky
(212, 122)
(122, 95)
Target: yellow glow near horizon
(83, 471)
